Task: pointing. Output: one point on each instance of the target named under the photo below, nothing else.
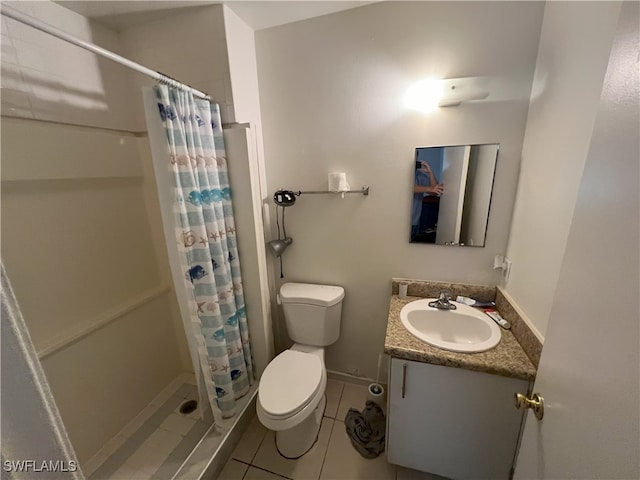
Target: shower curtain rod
(62, 35)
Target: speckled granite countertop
(507, 358)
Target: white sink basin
(462, 330)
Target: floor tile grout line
(265, 470)
(244, 463)
(253, 457)
(339, 400)
(324, 458)
(335, 419)
(278, 474)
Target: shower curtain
(206, 234)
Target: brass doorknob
(535, 403)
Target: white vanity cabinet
(452, 422)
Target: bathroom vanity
(452, 414)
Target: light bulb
(424, 95)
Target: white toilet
(291, 396)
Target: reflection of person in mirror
(432, 187)
(426, 183)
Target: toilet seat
(289, 383)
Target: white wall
(79, 239)
(572, 58)
(331, 99)
(592, 350)
(190, 46)
(48, 79)
(243, 70)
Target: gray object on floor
(366, 430)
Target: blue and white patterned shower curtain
(208, 244)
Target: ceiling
(258, 15)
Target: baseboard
(348, 378)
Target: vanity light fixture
(424, 95)
(458, 90)
(427, 95)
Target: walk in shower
(90, 246)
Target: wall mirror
(452, 194)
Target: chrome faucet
(443, 302)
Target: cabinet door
(452, 422)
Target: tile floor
(331, 458)
(156, 443)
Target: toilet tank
(312, 313)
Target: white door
(455, 165)
(590, 366)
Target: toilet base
(296, 441)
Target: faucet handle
(445, 295)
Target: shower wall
(81, 237)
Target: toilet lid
(289, 382)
